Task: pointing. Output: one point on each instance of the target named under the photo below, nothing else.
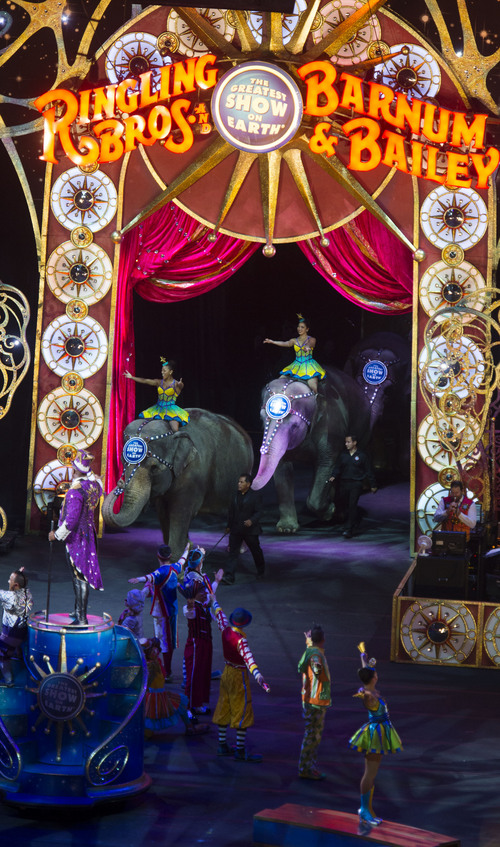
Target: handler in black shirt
(243, 525)
(350, 470)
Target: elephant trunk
(268, 464)
(135, 497)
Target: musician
(456, 513)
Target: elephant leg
(319, 500)
(283, 481)
(164, 518)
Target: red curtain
(165, 259)
(366, 263)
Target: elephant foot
(287, 528)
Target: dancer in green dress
(304, 368)
(375, 738)
(168, 390)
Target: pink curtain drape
(365, 263)
(165, 259)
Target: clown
(163, 584)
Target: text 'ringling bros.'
(110, 111)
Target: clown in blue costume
(168, 390)
(163, 585)
(304, 368)
(375, 738)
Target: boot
(74, 614)
(370, 806)
(364, 813)
(82, 598)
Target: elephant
(315, 428)
(313, 432)
(193, 470)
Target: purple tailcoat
(76, 528)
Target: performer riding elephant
(190, 471)
(311, 428)
(311, 431)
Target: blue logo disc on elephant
(278, 406)
(375, 372)
(135, 451)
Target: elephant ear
(185, 453)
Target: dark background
(216, 338)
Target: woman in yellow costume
(304, 368)
(168, 391)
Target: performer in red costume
(234, 707)
(456, 513)
(198, 652)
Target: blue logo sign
(135, 450)
(375, 372)
(278, 406)
(257, 107)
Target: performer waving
(304, 368)
(375, 738)
(168, 390)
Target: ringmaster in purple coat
(76, 528)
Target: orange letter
(353, 93)
(161, 128)
(485, 171)
(440, 134)
(134, 132)
(408, 113)
(317, 86)
(125, 101)
(432, 154)
(205, 79)
(59, 126)
(184, 77)
(416, 158)
(395, 153)
(104, 102)
(381, 98)
(110, 133)
(361, 143)
(147, 96)
(458, 168)
(187, 132)
(462, 131)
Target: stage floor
(445, 780)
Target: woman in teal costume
(375, 738)
(168, 391)
(304, 368)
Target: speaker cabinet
(441, 576)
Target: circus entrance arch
(236, 129)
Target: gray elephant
(313, 431)
(190, 471)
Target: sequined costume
(198, 655)
(76, 528)
(304, 367)
(166, 408)
(377, 735)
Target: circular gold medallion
(81, 236)
(167, 42)
(447, 476)
(377, 49)
(89, 169)
(452, 254)
(66, 454)
(72, 383)
(77, 309)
